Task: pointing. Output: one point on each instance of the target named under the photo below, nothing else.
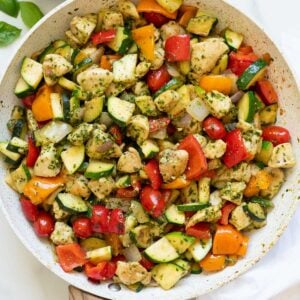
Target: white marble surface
(276, 276)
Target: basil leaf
(8, 33)
(30, 13)
(9, 7)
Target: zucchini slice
(255, 211)
(98, 255)
(167, 275)
(265, 203)
(17, 145)
(32, 72)
(173, 84)
(92, 243)
(93, 109)
(73, 158)
(247, 107)
(233, 39)
(195, 268)
(180, 241)
(120, 110)
(149, 149)
(265, 153)
(192, 206)
(202, 24)
(268, 115)
(141, 236)
(139, 212)
(71, 203)
(253, 73)
(48, 50)
(23, 89)
(174, 215)
(124, 182)
(161, 251)
(82, 66)
(122, 42)
(200, 249)
(97, 169)
(56, 106)
(12, 156)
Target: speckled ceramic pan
(53, 27)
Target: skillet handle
(77, 294)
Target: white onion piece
(184, 122)
(105, 119)
(237, 96)
(159, 134)
(198, 110)
(132, 253)
(172, 70)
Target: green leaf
(30, 13)
(10, 7)
(8, 33)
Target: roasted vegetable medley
(145, 146)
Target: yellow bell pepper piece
(41, 106)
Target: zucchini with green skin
(268, 115)
(200, 249)
(71, 203)
(93, 109)
(23, 89)
(17, 145)
(252, 74)
(173, 84)
(82, 66)
(255, 211)
(247, 107)
(98, 255)
(138, 212)
(32, 72)
(202, 24)
(265, 203)
(180, 241)
(175, 216)
(161, 251)
(73, 158)
(124, 181)
(19, 129)
(192, 206)
(48, 50)
(265, 152)
(13, 157)
(122, 42)
(167, 275)
(120, 110)
(98, 169)
(149, 149)
(233, 39)
(56, 105)
(141, 236)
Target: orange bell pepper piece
(187, 12)
(113, 240)
(219, 83)
(213, 263)
(38, 189)
(178, 183)
(244, 247)
(107, 61)
(70, 256)
(41, 106)
(227, 240)
(144, 38)
(261, 181)
(153, 6)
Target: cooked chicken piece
(282, 156)
(172, 163)
(95, 80)
(63, 234)
(169, 29)
(55, 66)
(111, 19)
(208, 214)
(233, 192)
(59, 213)
(77, 185)
(142, 68)
(132, 272)
(130, 161)
(206, 54)
(214, 149)
(138, 128)
(166, 100)
(239, 219)
(128, 9)
(276, 183)
(81, 134)
(102, 187)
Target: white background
(276, 276)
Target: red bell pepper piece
(115, 131)
(116, 223)
(235, 150)
(103, 36)
(99, 219)
(129, 192)
(29, 209)
(28, 100)
(156, 19)
(33, 153)
(103, 271)
(226, 211)
(147, 264)
(266, 91)
(70, 256)
(239, 62)
(197, 163)
(199, 231)
(152, 171)
(177, 48)
(158, 124)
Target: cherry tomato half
(276, 135)
(155, 18)
(44, 224)
(158, 78)
(30, 210)
(82, 227)
(214, 128)
(152, 201)
(100, 217)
